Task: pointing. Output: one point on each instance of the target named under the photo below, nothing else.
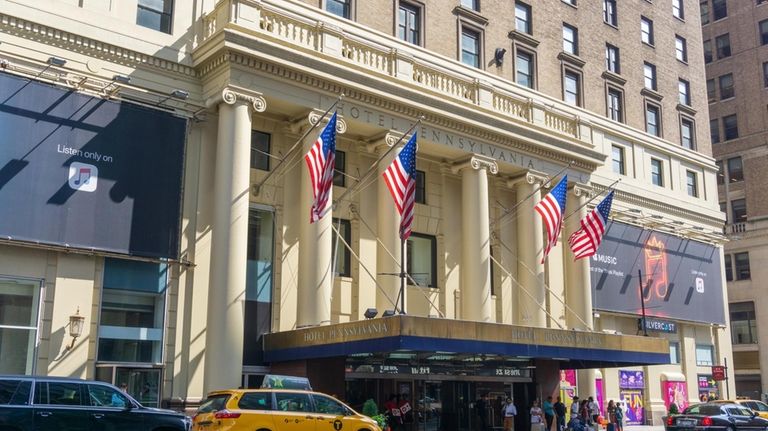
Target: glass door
(428, 406)
(19, 309)
(142, 383)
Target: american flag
(585, 241)
(400, 177)
(321, 159)
(551, 209)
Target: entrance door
(428, 406)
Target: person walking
(611, 411)
(510, 411)
(549, 412)
(560, 413)
(537, 419)
(619, 415)
(594, 410)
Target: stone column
(530, 249)
(578, 288)
(315, 245)
(475, 238)
(226, 291)
(388, 231)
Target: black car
(30, 403)
(715, 416)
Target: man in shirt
(510, 411)
(560, 413)
(594, 409)
(549, 412)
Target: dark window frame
(652, 78)
(678, 9)
(527, 23)
(433, 252)
(742, 266)
(411, 30)
(340, 169)
(345, 229)
(571, 46)
(260, 157)
(738, 210)
(612, 58)
(681, 52)
(165, 15)
(346, 6)
(657, 177)
(477, 36)
(532, 67)
(610, 16)
(420, 192)
(691, 124)
(723, 46)
(656, 109)
(684, 92)
(615, 104)
(620, 162)
(730, 129)
(719, 9)
(726, 89)
(570, 73)
(692, 184)
(646, 37)
(735, 174)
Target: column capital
(530, 177)
(383, 141)
(476, 162)
(581, 189)
(298, 125)
(232, 94)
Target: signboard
(631, 379)
(707, 387)
(675, 392)
(425, 370)
(567, 386)
(84, 172)
(718, 373)
(659, 325)
(681, 277)
(634, 406)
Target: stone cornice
(660, 206)
(477, 162)
(88, 46)
(232, 94)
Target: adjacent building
(735, 51)
(155, 204)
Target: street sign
(718, 373)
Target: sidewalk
(643, 428)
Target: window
(743, 323)
(704, 355)
(765, 74)
(677, 9)
(649, 72)
(657, 175)
(58, 393)
(571, 90)
(259, 273)
(646, 30)
(681, 49)
(341, 252)
(132, 311)
(155, 14)
(674, 352)
(19, 303)
(714, 131)
(570, 2)
(15, 392)
(728, 268)
(719, 9)
(422, 259)
(609, 12)
(522, 17)
(738, 210)
(612, 61)
(409, 23)
(764, 32)
(615, 106)
(687, 134)
(730, 127)
(260, 150)
(524, 69)
(471, 4)
(340, 169)
(726, 86)
(470, 47)
(328, 406)
(253, 401)
(105, 396)
(711, 93)
(723, 44)
(617, 157)
(704, 9)
(691, 184)
(720, 173)
(684, 92)
(652, 124)
(570, 39)
(421, 184)
(735, 169)
(741, 261)
(292, 402)
(708, 51)
(342, 8)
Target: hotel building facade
(155, 198)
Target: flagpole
(591, 199)
(402, 274)
(297, 143)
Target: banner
(681, 277)
(85, 172)
(675, 392)
(634, 406)
(567, 387)
(631, 379)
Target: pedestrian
(584, 411)
(611, 410)
(549, 412)
(575, 408)
(560, 413)
(594, 410)
(510, 411)
(537, 419)
(394, 418)
(481, 407)
(619, 415)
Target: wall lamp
(388, 313)
(76, 323)
(112, 88)
(498, 56)
(56, 61)
(370, 313)
(176, 94)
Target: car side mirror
(754, 413)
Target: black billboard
(681, 278)
(84, 172)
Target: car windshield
(214, 403)
(760, 406)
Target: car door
(256, 410)
(741, 417)
(111, 410)
(58, 406)
(333, 415)
(293, 412)
(15, 406)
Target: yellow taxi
(758, 407)
(277, 410)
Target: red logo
(718, 373)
